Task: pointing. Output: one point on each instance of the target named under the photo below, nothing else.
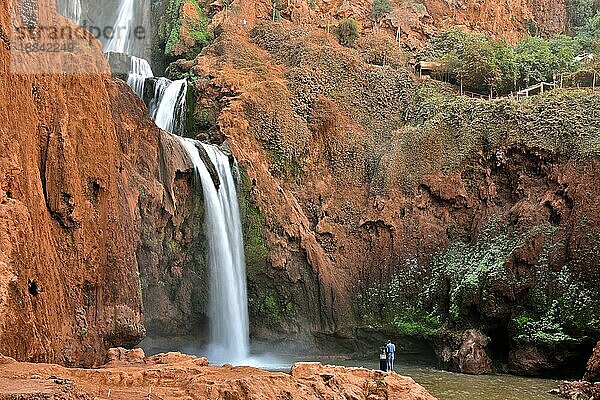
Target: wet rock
(528, 361)
(592, 372)
(468, 355)
(579, 390)
(472, 355)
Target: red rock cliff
(78, 153)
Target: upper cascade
(122, 38)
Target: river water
(451, 386)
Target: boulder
(121, 356)
(469, 355)
(528, 361)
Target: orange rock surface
(179, 376)
(418, 20)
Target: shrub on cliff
(347, 32)
(186, 29)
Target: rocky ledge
(130, 375)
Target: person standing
(382, 359)
(390, 349)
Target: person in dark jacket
(382, 359)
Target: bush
(381, 49)
(347, 32)
(415, 322)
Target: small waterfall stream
(169, 105)
(228, 307)
(122, 40)
(140, 71)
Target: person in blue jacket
(390, 349)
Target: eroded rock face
(416, 21)
(364, 187)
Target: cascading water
(228, 298)
(169, 104)
(140, 71)
(122, 38)
(70, 9)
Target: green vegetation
(347, 32)
(465, 286)
(541, 60)
(380, 9)
(485, 65)
(197, 28)
(579, 12)
(415, 322)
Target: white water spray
(140, 71)
(70, 9)
(168, 107)
(229, 331)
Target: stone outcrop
(178, 376)
(581, 390)
(589, 387)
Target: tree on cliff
(380, 9)
(481, 64)
(542, 60)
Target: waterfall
(228, 298)
(121, 41)
(168, 108)
(140, 71)
(69, 8)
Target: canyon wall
(373, 204)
